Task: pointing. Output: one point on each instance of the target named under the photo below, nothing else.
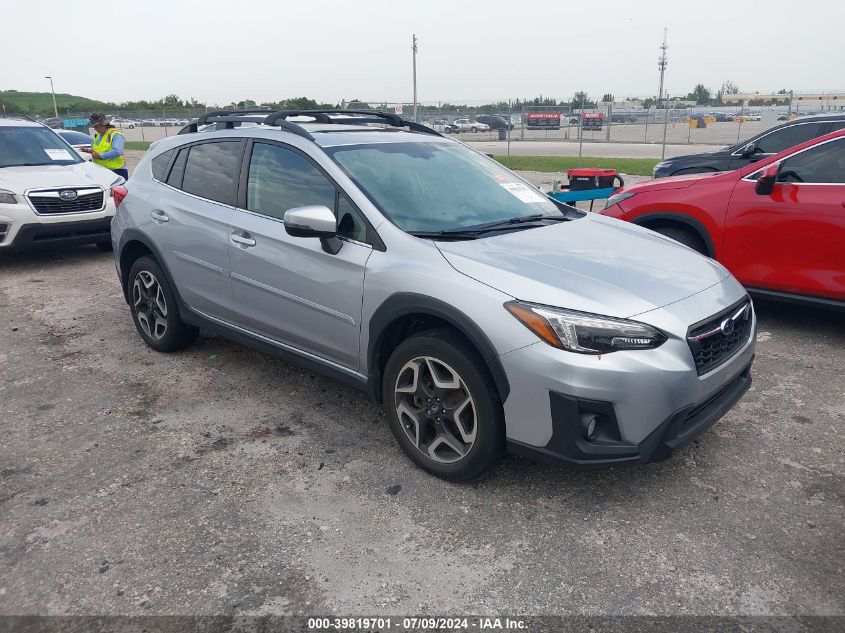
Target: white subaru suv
(48, 193)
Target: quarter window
(788, 137)
(823, 163)
(281, 179)
(178, 169)
(159, 164)
(212, 170)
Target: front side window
(788, 137)
(29, 146)
(823, 163)
(212, 170)
(433, 186)
(281, 179)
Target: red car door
(792, 240)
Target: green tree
(700, 95)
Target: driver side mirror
(766, 182)
(749, 150)
(314, 221)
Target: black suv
(495, 121)
(761, 146)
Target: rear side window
(159, 164)
(788, 137)
(821, 164)
(212, 170)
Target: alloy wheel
(150, 304)
(435, 409)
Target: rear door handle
(242, 240)
(159, 216)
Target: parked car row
(485, 316)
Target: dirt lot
(221, 481)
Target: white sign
(397, 108)
(58, 154)
(525, 194)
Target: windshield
(75, 138)
(34, 146)
(439, 186)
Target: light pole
(53, 92)
(414, 47)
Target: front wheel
(154, 308)
(475, 129)
(685, 236)
(443, 407)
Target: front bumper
(647, 402)
(569, 445)
(68, 233)
(21, 228)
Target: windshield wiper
(524, 219)
(472, 232)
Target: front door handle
(159, 216)
(241, 240)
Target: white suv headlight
(583, 332)
(7, 197)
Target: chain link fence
(619, 129)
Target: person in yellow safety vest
(107, 150)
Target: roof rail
(367, 116)
(18, 115)
(279, 118)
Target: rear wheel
(443, 406)
(154, 308)
(685, 236)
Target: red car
(778, 224)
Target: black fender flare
(135, 235)
(405, 303)
(678, 218)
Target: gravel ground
(221, 481)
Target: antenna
(414, 47)
(662, 62)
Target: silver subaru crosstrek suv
(485, 316)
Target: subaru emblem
(727, 326)
(68, 194)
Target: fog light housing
(590, 426)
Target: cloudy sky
(469, 51)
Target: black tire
(176, 334)
(104, 246)
(685, 236)
(488, 446)
(474, 129)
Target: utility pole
(414, 48)
(55, 109)
(662, 62)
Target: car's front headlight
(7, 197)
(616, 198)
(583, 332)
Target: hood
(593, 264)
(671, 182)
(19, 179)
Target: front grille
(715, 340)
(50, 202)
